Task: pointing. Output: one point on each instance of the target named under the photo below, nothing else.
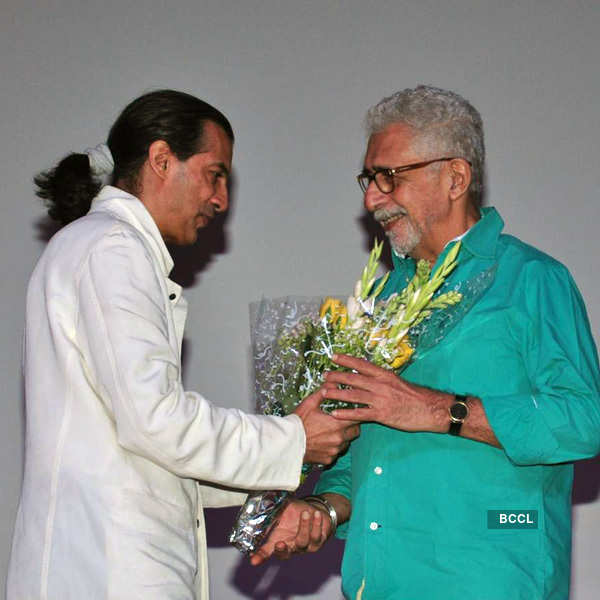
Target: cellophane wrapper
(269, 320)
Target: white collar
(130, 209)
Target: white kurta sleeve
(133, 361)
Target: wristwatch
(459, 411)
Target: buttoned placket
(375, 512)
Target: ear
(160, 158)
(460, 177)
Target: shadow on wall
(45, 228)
(190, 261)
(301, 576)
(275, 580)
(586, 484)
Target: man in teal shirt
(459, 485)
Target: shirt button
(172, 296)
(373, 526)
(378, 470)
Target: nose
(374, 198)
(220, 199)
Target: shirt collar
(482, 238)
(130, 209)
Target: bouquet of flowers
(294, 345)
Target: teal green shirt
(419, 526)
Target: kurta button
(172, 296)
(373, 526)
(378, 470)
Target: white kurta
(114, 445)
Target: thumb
(313, 401)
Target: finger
(327, 385)
(351, 433)
(357, 414)
(258, 558)
(312, 401)
(315, 531)
(349, 421)
(354, 395)
(359, 364)
(282, 551)
(303, 535)
(355, 380)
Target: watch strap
(455, 427)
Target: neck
(452, 229)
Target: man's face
(410, 213)
(197, 189)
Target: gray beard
(403, 244)
(412, 233)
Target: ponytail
(70, 187)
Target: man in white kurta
(114, 444)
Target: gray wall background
(295, 77)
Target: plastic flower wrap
(294, 340)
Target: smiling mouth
(389, 221)
(387, 218)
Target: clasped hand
(326, 437)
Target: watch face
(459, 411)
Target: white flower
(354, 309)
(368, 305)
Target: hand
(326, 437)
(389, 399)
(301, 528)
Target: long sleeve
(337, 479)
(559, 420)
(133, 360)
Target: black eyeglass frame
(369, 177)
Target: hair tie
(101, 162)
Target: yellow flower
(377, 335)
(404, 352)
(336, 310)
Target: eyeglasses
(384, 178)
